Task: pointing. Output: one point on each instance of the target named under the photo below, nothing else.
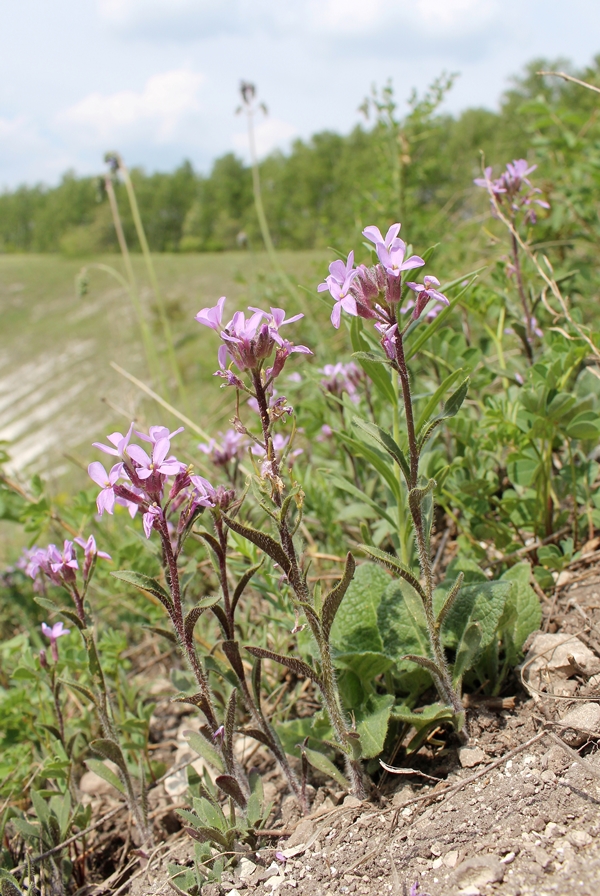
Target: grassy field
(58, 391)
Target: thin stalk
(444, 679)
(522, 295)
(149, 347)
(260, 212)
(162, 313)
(328, 683)
(402, 527)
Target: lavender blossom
(507, 188)
(54, 633)
(91, 553)
(250, 342)
(150, 518)
(392, 250)
(119, 441)
(425, 293)
(159, 464)
(340, 378)
(58, 566)
(106, 498)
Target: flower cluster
(232, 446)
(138, 481)
(339, 378)
(375, 293)
(508, 188)
(248, 343)
(61, 566)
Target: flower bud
(43, 660)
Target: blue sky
(158, 79)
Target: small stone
(301, 833)
(352, 802)
(478, 872)
(437, 863)
(508, 859)
(451, 858)
(548, 776)
(541, 857)
(247, 869)
(579, 722)
(470, 891)
(436, 849)
(579, 838)
(469, 757)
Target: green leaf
(522, 612)
(584, 426)
(203, 748)
(372, 722)
(144, 584)
(386, 441)
(333, 600)
(263, 541)
(230, 786)
(351, 489)
(402, 623)
(435, 399)
(467, 652)
(375, 369)
(393, 564)
(298, 667)
(110, 749)
(376, 460)
(355, 627)
(482, 603)
(424, 722)
(366, 665)
(326, 766)
(107, 774)
(210, 813)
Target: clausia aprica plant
(267, 511)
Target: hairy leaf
(263, 541)
(333, 600)
(387, 441)
(326, 766)
(372, 720)
(230, 786)
(204, 748)
(298, 667)
(145, 584)
(355, 627)
(103, 771)
(394, 565)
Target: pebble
(579, 838)
(451, 858)
(469, 757)
(478, 872)
(586, 717)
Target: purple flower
(343, 300)
(425, 291)
(57, 631)
(205, 494)
(341, 378)
(159, 464)
(106, 498)
(219, 733)
(91, 553)
(391, 250)
(212, 317)
(156, 433)
(388, 341)
(58, 567)
(150, 517)
(275, 320)
(508, 186)
(119, 441)
(338, 273)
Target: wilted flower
(91, 553)
(425, 293)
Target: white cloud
(456, 15)
(157, 110)
(269, 134)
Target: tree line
(416, 167)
